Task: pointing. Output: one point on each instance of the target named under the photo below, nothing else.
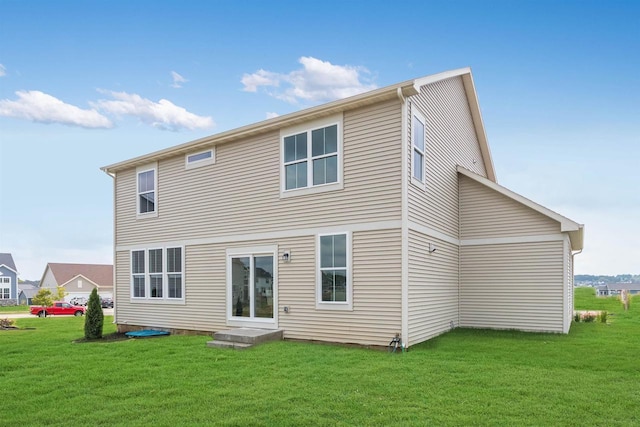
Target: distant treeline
(607, 279)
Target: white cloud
(43, 108)
(177, 80)
(271, 115)
(162, 114)
(316, 81)
(3, 71)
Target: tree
(94, 319)
(44, 297)
(59, 294)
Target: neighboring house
(611, 289)
(79, 279)
(8, 280)
(347, 222)
(26, 292)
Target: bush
(94, 319)
(6, 323)
(588, 317)
(602, 317)
(576, 316)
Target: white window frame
(165, 299)
(193, 164)
(142, 169)
(416, 114)
(334, 305)
(251, 252)
(308, 128)
(5, 283)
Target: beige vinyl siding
(433, 287)
(240, 193)
(569, 284)
(376, 315)
(450, 141)
(204, 308)
(486, 213)
(376, 274)
(513, 286)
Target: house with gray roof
(611, 289)
(8, 280)
(79, 280)
(26, 293)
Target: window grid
(334, 286)
(154, 277)
(147, 191)
(311, 158)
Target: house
(611, 289)
(26, 292)
(347, 222)
(8, 280)
(79, 279)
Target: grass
(466, 377)
(14, 309)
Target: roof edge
(574, 229)
(9, 268)
(77, 276)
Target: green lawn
(14, 309)
(466, 377)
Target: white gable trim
(81, 276)
(8, 268)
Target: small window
(203, 158)
(147, 194)
(334, 287)
(174, 272)
(418, 143)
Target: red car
(58, 308)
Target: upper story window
(147, 184)
(157, 274)
(312, 157)
(418, 144)
(203, 158)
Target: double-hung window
(157, 274)
(5, 287)
(418, 144)
(312, 157)
(334, 278)
(147, 191)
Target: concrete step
(249, 335)
(228, 344)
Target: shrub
(95, 318)
(602, 317)
(588, 317)
(7, 323)
(576, 316)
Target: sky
(87, 84)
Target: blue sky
(86, 84)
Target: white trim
(235, 238)
(335, 305)
(193, 164)
(139, 170)
(404, 322)
(433, 233)
(8, 268)
(514, 239)
(80, 276)
(308, 128)
(251, 252)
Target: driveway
(106, 311)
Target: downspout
(405, 225)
